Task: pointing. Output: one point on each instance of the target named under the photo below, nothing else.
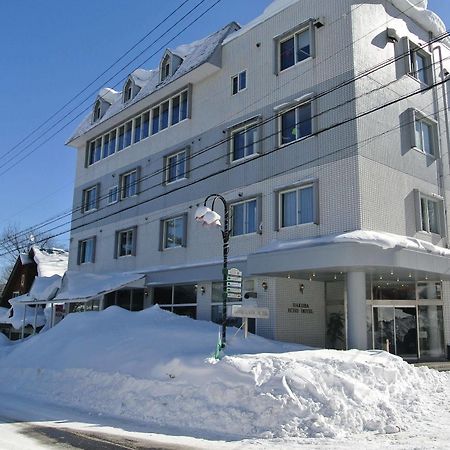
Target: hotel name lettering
(300, 308)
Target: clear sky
(50, 50)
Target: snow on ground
(154, 368)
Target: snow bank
(154, 367)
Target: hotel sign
(300, 308)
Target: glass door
(406, 332)
(384, 329)
(395, 330)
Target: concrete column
(356, 311)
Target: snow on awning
(85, 286)
(45, 288)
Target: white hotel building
(324, 124)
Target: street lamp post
(207, 216)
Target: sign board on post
(249, 312)
(234, 284)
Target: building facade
(324, 125)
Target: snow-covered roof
(193, 55)
(25, 259)
(108, 95)
(44, 288)
(82, 286)
(52, 261)
(415, 9)
(379, 239)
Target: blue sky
(51, 50)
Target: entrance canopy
(358, 250)
(79, 286)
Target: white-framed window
(174, 232)
(295, 123)
(86, 251)
(295, 48)
(244, 218)
(126, 242)
(421, 64)
(244, 141)
(90, 199)
(161, 116)
(128, 184)
(296, 206)
(429, 210)
(424, 133)
(176, 167)
(239, 82)
(113, 195)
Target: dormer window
(165, 68)
(97, 111)
(128, 91)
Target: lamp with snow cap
(207, 216)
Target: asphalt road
(48, 437)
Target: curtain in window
(289, 205)
(306, 210)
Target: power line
(259, 124)
(239, 164)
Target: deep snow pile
(155, 367)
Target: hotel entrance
(406, 319)
(395, 330)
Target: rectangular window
(113, 195)
(295, 124)
(296, 206)
(121, 141)
(430, 211)
(244, 141)
(86, 251)
(164, 115)
(173, 232)
(128, 184)
(175, 110)
(98, 149)
(126, 242)
(424, 136)
(105, 151)
(420, 62)
(90, 199)
(295, 49)
(184, 106)
(145, 125)
(176, 167)
(239, 82)
(128, 128)
(155, 120)
(137, 130)
(91, 157)
(112, 143)
(243, 218)
(179, 299)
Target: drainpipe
(442, 182)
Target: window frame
(124, 132)
(82, 250)
(295, 107)
(85, 204)
(237, 77)
(258, 215)
(305, 27)
(119, 233)
(116, 188)
(314, 185)
(411, 49)
(163, 232)
(422, 218)
(248, 125)
(415, 117)
(167, 166)
(135, 185)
